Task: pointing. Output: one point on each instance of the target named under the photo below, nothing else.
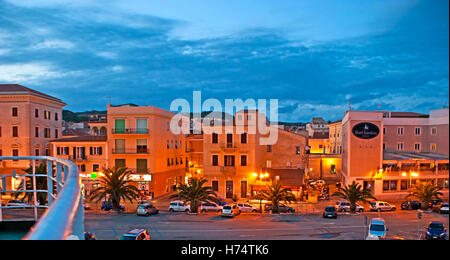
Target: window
(269, 148)
(404, 185)
(141, 165)
(119, 162)
(390, 185)
(229, 140)
(47, 132)
(215, 138)
(119, 125)
(15, 112)
(56, 116)
(215, 160)
(215, 186)
(46, 114)
(15, 152)
(433, 131)
(56, 133)
(168, 144)
(141, 126)
(417, 131)
(15, 131)
(384, 130)
(141, 145)
(244, 138)
(229, 160)
(243, 160)
(95, 167)
(400, 131)
(36, 152)
(36, 132)
(0, 131)
(36, 113)
(417, 147)
(297, 150)
(83, 168)
(400, 146)
(384, 146)
(433, 147)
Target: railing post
(50, 181)
(58, 177)
(66, 172)
(34, 188)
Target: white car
(246, 208)
(377, 228)
(210, 207)
(444, 208)
(381, 206)
(344, 206)
(178, 206)
(230, 211)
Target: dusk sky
(314, 56)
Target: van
(178, 206)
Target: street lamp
(412, 174)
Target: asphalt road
(210, 226)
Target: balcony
(65, 214)
(228, 147)
(130, 151)
(78, 158)
(130, 131)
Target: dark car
(108, 206)
(436, 231)
(281, 208)
(89, 236)
(434, 203)
(411, 205)
(330, 212)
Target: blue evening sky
(314, 56)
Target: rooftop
(408, 115)
(16, 89)
(81, 139)
(395, 155)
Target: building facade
(388, 152)
(29, 120)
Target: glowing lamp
(404, 174)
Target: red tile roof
(319, 135)
(21, 90)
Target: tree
(195, 193)
(115, 184)
(41, 184)
(425, 192)
(354, 193)
(275, 193)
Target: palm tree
(354, 193)
(275, 193)
(425, 192)
(195, 193)
(115, 184)
(41, 184)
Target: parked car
(246, 208)
(344, 206)
(281, 208)
(178, 206)
(377, 228)
(210, 207)
(146, 210)
(318, 183)
(106, 206)
(89, 236)
(436, 231)
(330, 212)
(136, 234)
(381, 206)
(222, 202)
(434, 202)
(411, 205)
(444, 208)
(230, 211)
(18, 203)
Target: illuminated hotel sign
(366, 130)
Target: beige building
(388, 152)
(335, 137)
(29, 120)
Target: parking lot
(210, 226)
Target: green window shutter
(119, 126)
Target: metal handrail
(65, 216)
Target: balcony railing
(130, 151)
(130, 131)
(65, 214)
(139, 170)
(78, 158)
(228, 170)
